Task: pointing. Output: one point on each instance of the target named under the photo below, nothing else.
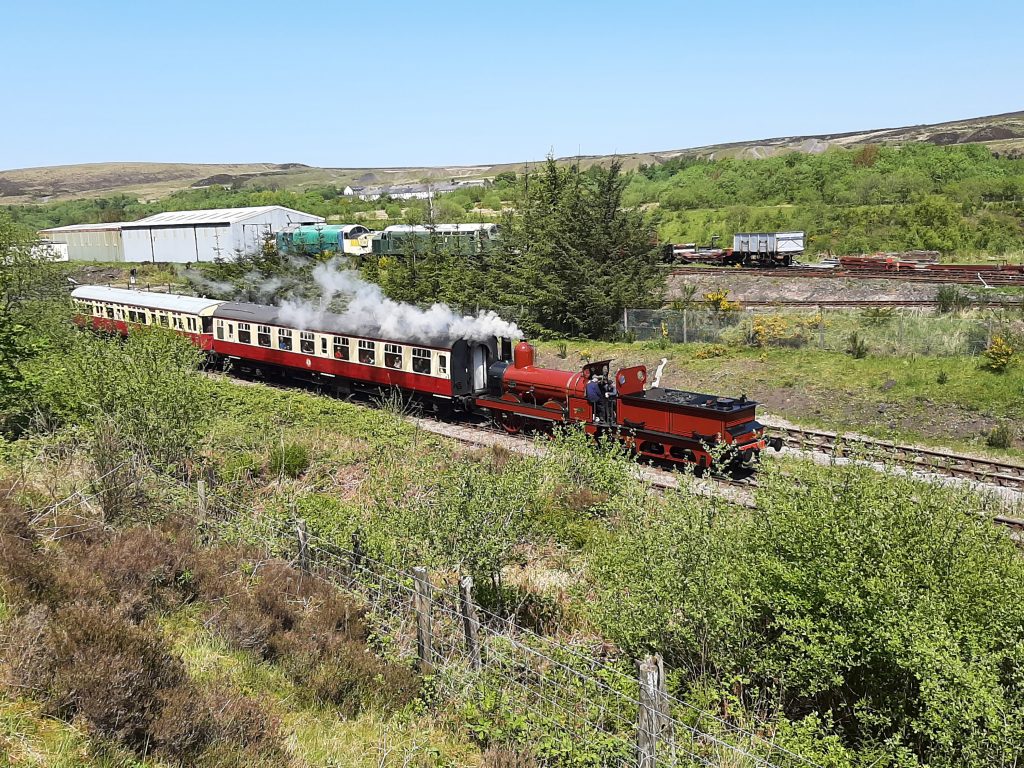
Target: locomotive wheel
(511, 422)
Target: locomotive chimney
(523, 355)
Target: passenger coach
(257, 337)
(115, 310)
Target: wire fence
(897, 332)
(572, 703)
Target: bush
(82, 661)
(998, 355)
(26, 575)
(942, 378)
(289, 460)
(949, 299)
(858, 347)
(708, 351)
(136, 571)
(1000, 436)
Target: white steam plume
(370, 313)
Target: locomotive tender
(482, 377)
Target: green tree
(576, 257)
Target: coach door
(480, 361)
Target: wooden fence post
(357, 549)
(424, 625)
(470, 622)
(300, 530)
(647, 714)
(665, 728)
(201, 496)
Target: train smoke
(369, 312)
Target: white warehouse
(185, 236)
(86, 242)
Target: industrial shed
(186, 236)
(86, 242)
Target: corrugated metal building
(185, 236)
(87, 242)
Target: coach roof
(302, 319)
(167, 302)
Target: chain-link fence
(882, 330)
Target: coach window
(110, 313)
(244, 333)
(340, 348)
(323, 346)
(307, 342)
(220, 331)
(163, 319)
(132, 316)
(263, 335)
(177, 322)
(367, 352)
(97, 310)
(284, 339)
(393, 356)
(231, 330)
(420, 360)
(442, 365)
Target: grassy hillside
(151, 181)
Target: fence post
(625, 320)
(201, 494)
(357, 549)
(424, 626)
(685, 339)
(647, 714)
(470, 621)
(821, 327)
(300, 530)
(664, 716)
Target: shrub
(998, 355)
(136, 570)
(82, 661)
(563, 350)
(718, 301)
(289, 459)
(25, 573)
(949, 299)
(1000, 436)
(708, 351)
(351, 677)
(858, 347)
(877, 316)
(942, 378)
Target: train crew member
(609, 393)
(595, 396)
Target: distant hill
(149, 181)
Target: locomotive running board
(522, 409)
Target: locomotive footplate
(520, 408)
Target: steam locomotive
(482, 377)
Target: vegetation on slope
(844, 620)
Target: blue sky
(435, 82)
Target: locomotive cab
(470, 363)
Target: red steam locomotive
(479, 376)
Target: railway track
(987, 471)
(951, 276)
